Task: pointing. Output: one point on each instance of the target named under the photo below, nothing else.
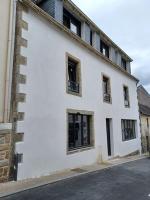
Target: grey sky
(127, 23)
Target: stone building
(144, 108)
(72, 99)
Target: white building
(75, 99)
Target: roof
(141, 87)
(77, 9)
(60, 26)
(143, 96)
(144, 109)
(89, 21)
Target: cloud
(127, 24)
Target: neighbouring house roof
(39, 11)
(144, 100)
(143, 96)
(144, 110)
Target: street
(130, 181)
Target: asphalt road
(129, 181)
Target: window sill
(74, 93)
(109, 102)
(80, 150)
(129, 140)
(127, 106)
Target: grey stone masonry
(5, 151)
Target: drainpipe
(10, 57)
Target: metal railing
(107, 97)
(73, 86)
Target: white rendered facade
(45, 124)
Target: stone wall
(5, 149)
(143, 96)
(145, 143)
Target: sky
(127, 23)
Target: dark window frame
(106, 89)
(73, 82)
(147, 121)
(124, 64)
(91, 37)
(104, 46)
(126, 96)
(128, 129)
(69, 19)
(77, 139)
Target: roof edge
(38, 10)
(96, 27)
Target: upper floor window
(104, 48)
(91, 37)
(126, 96)
(124, 63)
(71, 22)
(147, 123)
(106, 89)
(73, 76)
(128, 129)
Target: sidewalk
(14, 187)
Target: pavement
(112, 180)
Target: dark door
(147, 141)
(108, 136)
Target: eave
(61, 27)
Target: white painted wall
(44, 127)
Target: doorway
(108, 130)
(147, 144)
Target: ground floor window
(79, 130)
(128, 129)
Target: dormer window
(71, 22)
(123, 63)
(104, 48)
(91, 37)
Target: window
(126, 96)
(73, 76)
(128, 129)
(71, 22)
(106, 89)
(91, 37)
(147, 123)
(124, 63)
(104, 48)
(79, 131)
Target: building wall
(45, 122)
(5, 147)
(145, 131)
